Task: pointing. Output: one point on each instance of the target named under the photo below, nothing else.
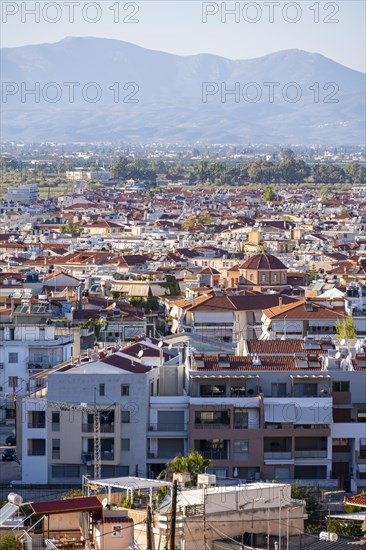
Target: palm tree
(193, 464)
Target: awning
(134, 483)
(314, 376)
(82, 504)
(214, 375)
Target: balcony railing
(167, 427)
(107, 455)
(215, 455)
(104, 428)
(212, 426)
(273, 455)
(311, 454)
(36, 425)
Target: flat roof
(80, 504)
(134, 483)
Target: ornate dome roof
(263, 262)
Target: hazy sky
(334, 29)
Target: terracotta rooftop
(263, 261)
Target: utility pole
(204, 519)
(174, 516)
(148, 529)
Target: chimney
(280, 301)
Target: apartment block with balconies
(289, 426)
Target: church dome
(263, 262)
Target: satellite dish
(342, 342)
(140, 353)
(337, 355)
(104, 502)
(160, 344)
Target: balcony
(104, 428)
(167, 427)
(36, 425)
(280, 455)
(211, 426)
(107, 455)
(311, 454)
(215, 455)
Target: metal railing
(167, 427)
(104, 428)
(311, 454)
(279, 455)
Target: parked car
(11, 440)
(8, 455)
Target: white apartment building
(28, 345)
(23, 194)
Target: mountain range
(96, 89)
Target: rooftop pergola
(129, 484)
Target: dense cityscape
(182, 275)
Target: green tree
(313, 507)
(268, 194)
(71, 229)
(9, 542)
(193, 464)
(346, 328)
(313, 273)
(346, 529)
(205, 219)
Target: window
(282, 472)
(125, 417)
(240, 419)
(13, 382)
(13, 357)
(212, 418)
(36, 419)
(55, 421)
(211, 390)
(152, 387)
(125, 444)
(278, 389)
(238, 391)
(117, 531)
(341, 386)
(305, 390)
(55, 448)
(101, 390)
(263, 278)
(36, 447)
(241, 449)
(125, 389)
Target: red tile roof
(263, 261)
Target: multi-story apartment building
(29, 343)
(26, 194)
(143, 413)
(291, 411)
(281, 417)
